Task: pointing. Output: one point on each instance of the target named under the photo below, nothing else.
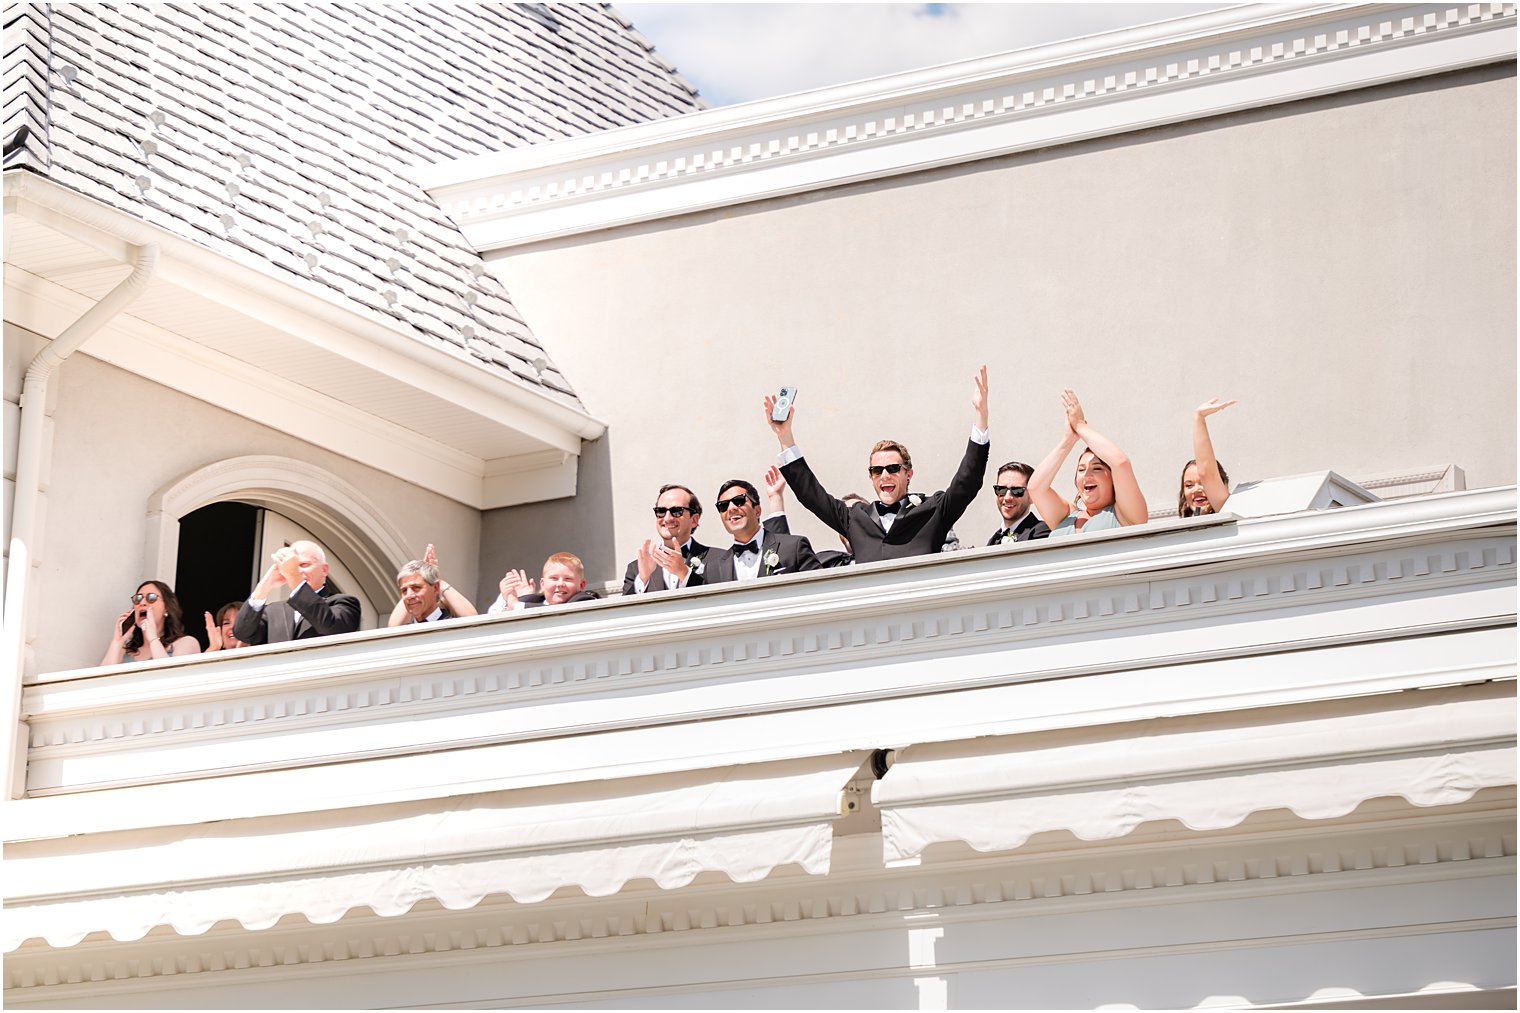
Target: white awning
(740, 821)
(1321, 761)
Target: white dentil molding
(1209, 65)
(1120, 627)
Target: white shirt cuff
(257, 604)
(982, 436)
(789, 455)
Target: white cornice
(1222, 62)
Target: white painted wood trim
(1217, 63)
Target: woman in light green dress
(1108, 495)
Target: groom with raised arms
(898, 523)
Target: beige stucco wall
(118, 438)
(1343, 266)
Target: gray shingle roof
(276, 134)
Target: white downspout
(25, 529)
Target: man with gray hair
(425, 596)
(312, 609)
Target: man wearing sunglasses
(310, 610)
(756, 552)
(898, 524)
(674, 558)
(1020, 524)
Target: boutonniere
(914, 499)
(698, 564)
(771, 559)
(1008, 537)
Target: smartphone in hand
(783, 406)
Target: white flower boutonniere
(771, 559)
(1008, 537)
(698, 563)
(914, 499)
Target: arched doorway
(224, 548)
(260, 503)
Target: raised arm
(1052, 507)
(810, 492)
(1214, 486)
(967, 482)
(1129, 501)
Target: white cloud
(739, 52)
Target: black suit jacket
(917, 530)
(793, 555)
(775, 524)
(831, 559)
(536, 600)
(1026, 530)
(323, 614)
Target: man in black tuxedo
(1012, 494)
(756, 552)
(831, 559)
(675, 558)
(899, 523)
(310, 610)
(667, 561)
(562, 581)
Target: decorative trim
(342, 518)
(1176, 71)
(836, 660)
(1384, 843)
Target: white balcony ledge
(1216, 672)
(1174, 618)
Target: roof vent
(541, 14)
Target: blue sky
(737, 52)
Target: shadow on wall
(524, 536)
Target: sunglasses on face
(1009, 490)
(741, 501)
(150, 597)
(890, 469)
(673, 511)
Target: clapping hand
(1074, 416)
(670, 560)
(288, 565)
(213, 634)
(514, 585)
(1211, 406)
(647, 564)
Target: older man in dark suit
(311, 609)
(756, 552)
(899, 523)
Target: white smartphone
(783, 406)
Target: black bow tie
(740, 548)
(886, 508)
(686, 551)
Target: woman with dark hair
(151, 628)
(1205, 483)
(219, 636)
(1108, 494)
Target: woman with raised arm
(1108, 496)
(152, 628)
(1205, 483)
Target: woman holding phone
(152, 628)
